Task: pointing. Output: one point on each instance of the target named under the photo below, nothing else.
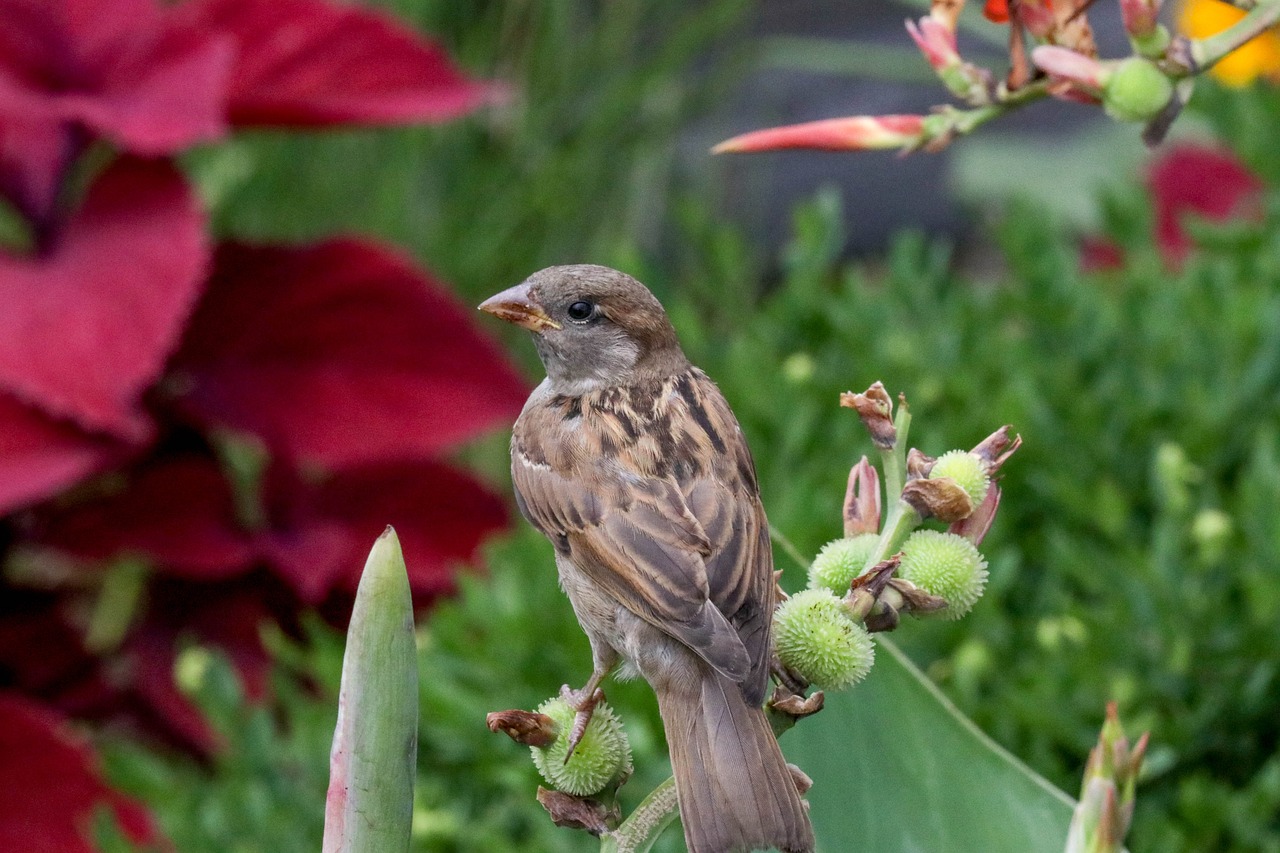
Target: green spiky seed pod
(945, 565)
(840, 561)
(815, 636)
(603, 755)
(967, 470)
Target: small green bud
(1136, 90)
(969, 472)
(815, 636)
(946, 565)
(1153, 44)
(840, 561)
(603, 755)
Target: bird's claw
(584, 704)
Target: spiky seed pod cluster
(602, 758)
(945, 565)
(815, 636)
(840, 561)
(969, 472)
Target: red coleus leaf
(86, 326)
(1195, 179)
(34, 154)
(52, 786)
(117, 67)
(227, 616)
(338, 353)
(40, 456)
(325, 529)
(178, 514)
(312, 62)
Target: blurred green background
(1136, 556)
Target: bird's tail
(735, 791)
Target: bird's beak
(517, 305)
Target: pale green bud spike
(369, 808)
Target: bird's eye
(580, 310)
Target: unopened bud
(1136, 91)
(862, 500)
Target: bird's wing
(666, 518)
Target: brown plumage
(630, 461)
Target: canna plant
(1051, 53)
(915, 553)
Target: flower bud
(602, 757)
(840, 561)
(1136, 91)
(815, 637)
(969, 472)
(946, 565)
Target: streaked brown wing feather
(664, 514)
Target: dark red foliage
(337, 354)
(311, 62)
(40, 456)
(235, 424)
(88, 324)
(52, 785)
(118, 69)
(1202, 181)
(322, 528)
(1185, 180)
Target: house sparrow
(629, 460)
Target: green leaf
(896, 767)
(369, 807)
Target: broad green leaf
(897, 768)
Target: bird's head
(594, 327)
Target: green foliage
(506, 641)
(1134, 557)
(896, 768)
(1110, 576)
(577, 165)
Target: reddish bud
(1140, 17)
(855, 133)
(1064, 64)
(936, 42)
(862, 500)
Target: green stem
(1208, 51)
(942, 127)
(894, 459)
(902, 519)
(639, 831)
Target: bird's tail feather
(735, 791)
